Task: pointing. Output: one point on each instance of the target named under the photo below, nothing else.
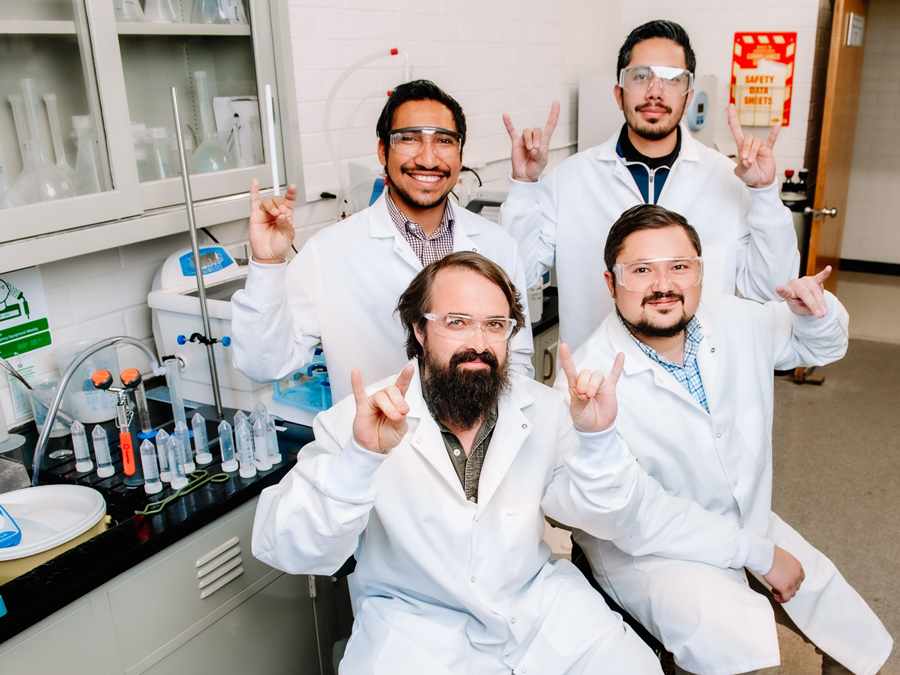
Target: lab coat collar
(510, 433)
(606, 152)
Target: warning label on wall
(762, 77)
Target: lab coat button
(456, 452)
(742, 526)
(524, 670)
(524, 426)
(512, 620)
(719, 435)
(712, 350)
(418, 440)
(473, 578)
(660, 380)
(735, 482)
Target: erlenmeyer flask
(56, 136)
(87, 175)
(161, 162)
(160, 11)
(210, 155)
(208, 11)
(128, 10)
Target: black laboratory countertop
(130, 539)
(549, 313)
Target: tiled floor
(873, 301)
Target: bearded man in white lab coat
(563, 218)
(343, 285)
(438, 482)
(695, 409)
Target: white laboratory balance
(175, 308)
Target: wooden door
(836, 146)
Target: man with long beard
(343, 285)
(563, 218)
(438, 481)
(696, 408)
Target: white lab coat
(722, 460)
(748, 236)
(343, 288)
(442, 581)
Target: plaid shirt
(427, 249)
(689, 373)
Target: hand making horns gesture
(530, 148)
(806, 296)
(271, 224)
(593, 397)
(380, 422)
(756, 161)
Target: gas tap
(131, 379)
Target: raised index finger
(568, 365)
(254, 195)
(359, 391)
(735, 125)
(511, 130)
(770, 141)
(823, 275)
(404, 379)
(616, 371)
(552, 120)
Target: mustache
(657, 296)
(468, 355)
(418, 167)
(653, 106)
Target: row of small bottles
(163, 11)
(172, 458)
(798, 186)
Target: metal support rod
(198, 268)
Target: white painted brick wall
(872, 226)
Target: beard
(410, 200)
(645, 328)
(655, 130)
(461, 396)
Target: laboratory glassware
(8, 196)
(87, 161)
(56, 136)
(184, 445)
(142, 151)
(101, 452)
(244, 436)
(201, 440)
(165, 473)
(272, 437)
(173, 454)
(234, 12)
(128, 10)
(173, 379)
(152, 484)
(210, 155)
(161, 166)
(209, 11)
(160, 11)
(83, 461)
(226, 445)
(261, 445)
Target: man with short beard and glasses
(695, 409)
(563, 218)
(438, 481)
(343, 285)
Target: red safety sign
(762, 77)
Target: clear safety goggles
(461, 327)
(410, 141)
(643, 275)
(672, 81)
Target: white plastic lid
(50, 515)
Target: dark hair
(418, 90)
(416, 299)
(644, 217)
(657, 29)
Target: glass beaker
(160, 11)
(142, 150)
(87, 175)
(210, 155)
(161, 162)
(41, 398)
(208, 11)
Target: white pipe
(270, 115)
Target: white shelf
(37, 27)
(180, 29)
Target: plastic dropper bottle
(201, 440)
(179, 480)
(272, 437)
(226, 445)
(101, 452)
(210, 155)
(184, 446)
(165, 472)
(56, 137)
(83, 461)
(152, 485)
(173, 379)
(245, 447)
(261, 445)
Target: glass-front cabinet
(88, 152)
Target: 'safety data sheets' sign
(762, 77)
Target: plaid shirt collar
(409, 228)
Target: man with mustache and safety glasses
(696, 400)
(343, 285)
(564, 217)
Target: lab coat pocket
(522, 533)
(416, 645)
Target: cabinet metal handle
(817, 213)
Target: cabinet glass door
(208, 50)
(57, 170)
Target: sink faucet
(54, 406)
